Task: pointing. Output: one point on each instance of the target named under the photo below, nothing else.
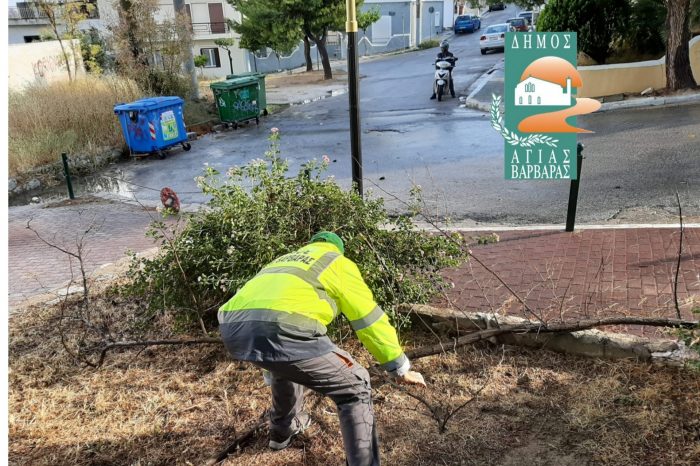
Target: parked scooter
(442, 83)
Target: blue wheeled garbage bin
(152, 125)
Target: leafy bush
(646, 27)
(428, 44)
(599, 23)
(161, 82)
(257, 213)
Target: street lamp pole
(354, 94)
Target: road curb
(670, 101)
(328, 94)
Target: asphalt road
(634, 162)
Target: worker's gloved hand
(411, 378)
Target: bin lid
(245, 75)
(234, 83)
(149, 103)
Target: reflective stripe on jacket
(307, 289)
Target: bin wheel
(265, 112)
(257, 120)
(160, 154)
(187, 146)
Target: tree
(528, 4)
(678, 72)
(265, 24)
(226, 44)
(200, 61)
(367, 18)
(287, 22)
(152, 52)
(598, 23)
(64, 19)
(645, 27)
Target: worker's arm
(371, 324)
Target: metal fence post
(66, 171)
(573, 190)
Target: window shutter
(216, 18)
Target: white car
(493, 38)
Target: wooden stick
(131, 344)
(238, 443)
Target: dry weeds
(75, 117)
(181, 405)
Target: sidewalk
(586, 274)
(35, 268)
(480, 95)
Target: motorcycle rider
(442, 55)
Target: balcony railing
(27, 11)
(31, 11)
(209, 28)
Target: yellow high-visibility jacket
(307, 289)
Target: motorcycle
(443, 76)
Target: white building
(534, 92)
(27, 23)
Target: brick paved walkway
(35, 267)
(587, 273)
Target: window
(520, 100)
(539, 100)
(30, 39)
(212, 57)
(529, 100)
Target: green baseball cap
(329, 237)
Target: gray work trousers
(338, 376)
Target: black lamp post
(354, 94)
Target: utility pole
(189, 61)
(354, 93)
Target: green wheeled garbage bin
(262, 96)
(237, 100)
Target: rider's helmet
(444, 46)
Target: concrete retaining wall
(630, 78)
(40, 62)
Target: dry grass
(180, 406)
(75, 117)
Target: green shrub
(646, 26)
(161, 82)
(257, 213)
(429, 44)
(598, 23)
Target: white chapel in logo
(534, 91)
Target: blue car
(467, 23)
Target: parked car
(527, 15)
(467, 23)
(494, 38)
(518, 24)
(530, 16)
(497, 6)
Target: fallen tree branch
(240, 442)
(131, 344)
(574, 326)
